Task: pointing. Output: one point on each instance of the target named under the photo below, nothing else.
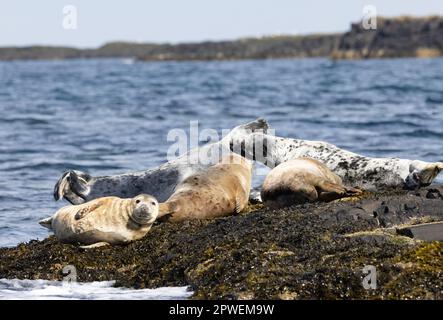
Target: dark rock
(434, 194)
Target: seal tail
(72, 182)
(47, 223)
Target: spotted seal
(354, 169)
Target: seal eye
(137, 201)
(153, 203)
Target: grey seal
(78, 187)
(354, 169)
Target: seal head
(421, 174)
(145, 209)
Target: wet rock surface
(314, 251)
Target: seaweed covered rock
(315, 251)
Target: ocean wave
(9, 198)
(345, 100)
(58, 290)
(30, 121)
(434, 100)
(420, 133)
(359, 124)
(400, 88)
(63, 166)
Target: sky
(24, 22)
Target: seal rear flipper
(47, 223)
(60, 186)
(72, 186)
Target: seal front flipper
(95, 245)
(87, 210)
(73, 186)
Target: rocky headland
(314, 251)
(394, 37)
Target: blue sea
(111, 116)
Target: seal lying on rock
(102, 221)
(78, 187)
(302, 180)
(365, 172)
(220, 190)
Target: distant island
(394, 37)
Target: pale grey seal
(354, 169)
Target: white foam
(57, 290)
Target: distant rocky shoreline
(314, 251)
(394, 37)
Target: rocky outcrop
(315, 251)
(396, 37)
(39, 53)
(254, 48)
(259, 48)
